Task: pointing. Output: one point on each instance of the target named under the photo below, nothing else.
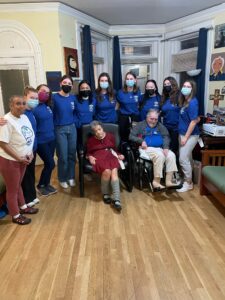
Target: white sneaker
(72, 182)
(30, 204)
(36, 201)
(64, 184)
(186, 187)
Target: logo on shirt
(136, 98)
(28, 134)
(49, 109)
(72, 105)
(156, 104)
(91, 107)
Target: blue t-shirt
(150, 103)
(129, 102)
(188, 114)
(153, 138)
(106, 110)
(31, 117)
(85, 112)
(64, 109)
(45, 125)
(170, 114)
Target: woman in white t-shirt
(16, 144)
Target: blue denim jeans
(66, 144)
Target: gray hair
(94, 124)
(152, 110)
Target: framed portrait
(217, 69)
(219, 40)
(71, 62)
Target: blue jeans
(66, 144)
(46, 153)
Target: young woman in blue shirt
(106, 104)
(86, 105)
(170, 111)
(45, 139)
(150, 99)
(188, 131)
(129, 99)
(64, 107)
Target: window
(139, 56)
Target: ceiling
(135, 12)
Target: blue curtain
(87, 57)
(117, 75)
(201, 63)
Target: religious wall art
(217, 70)
(71, 62)
(219, 40)
(216, 98)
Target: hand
(24, 160)
(121, 157)
(30, 157)
(165, 151)
(144, 145)
(2, 121)
(92, 160)
(183, 140)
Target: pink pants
(12, 172)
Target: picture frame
(219, 40)
(53, 80)
(71, 62)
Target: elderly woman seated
(154, 142)
(105, 160)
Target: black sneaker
(43, 191)
(107, 199)
(117, 205)
(51, 189)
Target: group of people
(40, 122)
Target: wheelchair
(144, 172)
(126, 175)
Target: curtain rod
(98, 32)
(188, 33)
(139, 36)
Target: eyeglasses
(153, 119)
(20, 103)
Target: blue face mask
(186, 91)
(32, 103)
(130, 82)
(104, 85)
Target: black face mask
(167, 89)
(150, 92)
(85, 93)
(66, 88)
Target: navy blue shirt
(170, 114)
(188, 114)
(85, 112)
(106, 110)
(153, 138)
(129, 102)
(45, 125)
(150, 103)
(31, 117)
(63, 109)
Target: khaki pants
(158, 158)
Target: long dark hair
(145, 96)
(79, 97)
(110, 91)
(183, 102)
(135, 88)
(174, 93)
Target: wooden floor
(162, 246)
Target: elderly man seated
(154, 142)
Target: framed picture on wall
(71, 62)
(217, 70)
(53, 80)
(219, 40)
